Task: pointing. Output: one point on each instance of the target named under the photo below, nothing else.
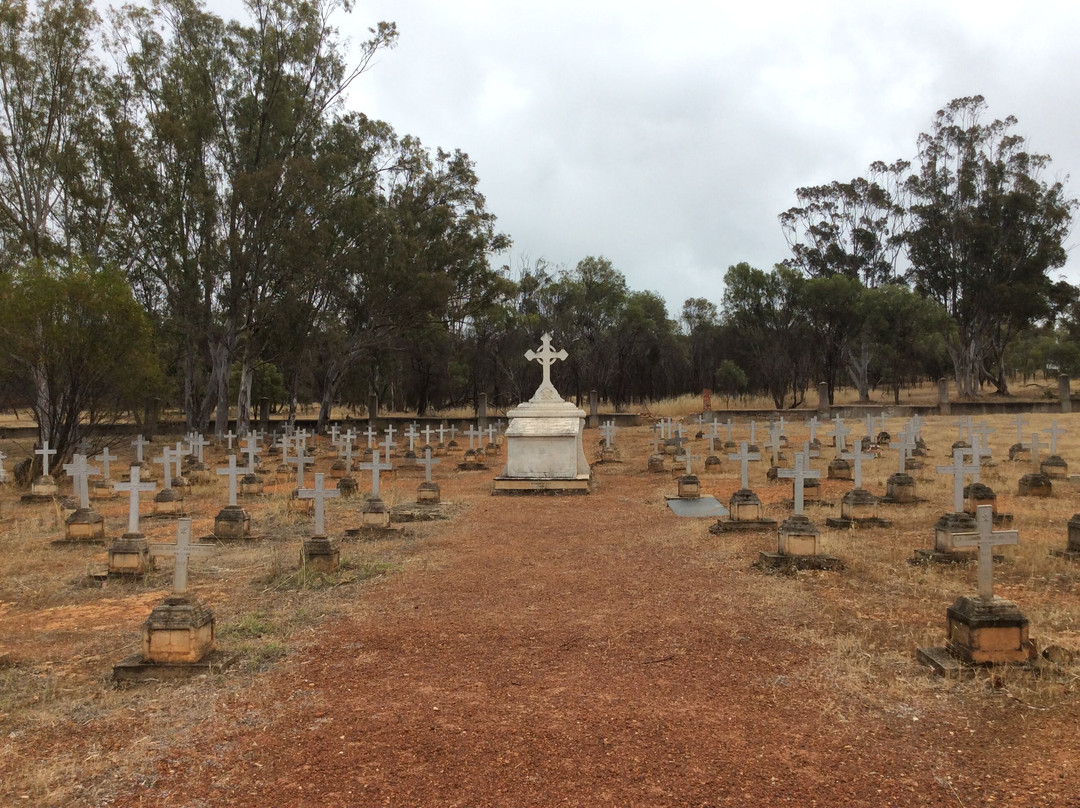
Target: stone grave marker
(320, 553)
(858, 507)
(167, 501)
(375, 513)
(1019, 450)
(130, 554)
(84, 524)
(954, 523)
(1054, 466)
(798, 539)
(178, 636)
(744, 506)
(232, 521)
(103, 488)
(984, 630)
(1036, 483)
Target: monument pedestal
(43, 489)
(251, 485)
(544, 450)
(981, 632)
(1072, 548)
(1035, 484)
(858, 509)
(840, 469)
(320, 554)
(745, 514)
(944, 551)
(130, 555)
(689, 486)
(84, 524)
(428, 493)
(232, 522)
(348, 487)
(900, 489)
(799, 547)
(179, 630)
(167, 502)
(1055, 468)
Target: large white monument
(544, 451)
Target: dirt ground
(547, 650)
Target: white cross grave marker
(375, 467)
(957, 470)
(45, 453)
(301, 460)
(799, 475)
(105, 457)
(986, 540)
(427, 463)
(320, 495)
(744, 457)
(79, 471)
(608, 430)
(1055, 433)
(133, 488)
(856, 456)
(232, 472)
(182, 551)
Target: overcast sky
(668, 136)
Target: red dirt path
(589, 651)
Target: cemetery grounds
(580, 650)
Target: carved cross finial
(546, 356)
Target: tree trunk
(243, 395)
(220, 355)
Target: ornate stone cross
(546, 356)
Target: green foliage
(78, 346)
(985, 230)
(730, 380)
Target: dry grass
(59, 635)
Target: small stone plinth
(375, 514)
(347, 487)
(745, 515)
(284, 470)
(987, 632)
(102, 489)
(440, 450)
(858, 509)
(471, 461)
(840, 469)
(712, 464)
(1055, 468)
(657, 463)
(900, 489)
(130, 555)
(181, 485)
(232, 522)
(1035, 484)
(1072, 548)
(134, 669)
(689, 487)
(197, 473)
(798, 536)
(179, 630)
(251, 485)
(1019, 452)
(609, 454)
(337, 470)
(43, 489)
(952, 524)
(913, 464)
(799, 548)
(294, 504)
(167, 502)
(921, 449)
(960, 444)
(745, 506)
(1074, 533)
(84, 524)
(320, 554)
(671, 447)
(492, 450)
(883, 438)
(428, 493)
